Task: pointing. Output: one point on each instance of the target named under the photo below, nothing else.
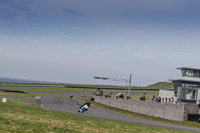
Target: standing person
(172, 100)
(142, 98)
(154, 98)
(122, 96)
(128, 97)
(159, 99)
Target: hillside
(161, 85)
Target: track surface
(72, 105)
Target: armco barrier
(177, 112)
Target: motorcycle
(84, 108)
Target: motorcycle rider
(84, 107)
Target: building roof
(188, 79)
(191, 68)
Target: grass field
(49, 89)
(30, 95)
(19, 116)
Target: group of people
(155, 99)
(120, 95)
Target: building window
(183, 72)
(190, 73)
(176, 84)
(190, 85)
(189, 94)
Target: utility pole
(129, 85)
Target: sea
(16, 80)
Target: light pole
(118, 79)
(129, 85)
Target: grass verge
(30, 95)
(19, 116)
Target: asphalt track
(71, 105)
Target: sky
(71, 41)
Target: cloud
(73, 12)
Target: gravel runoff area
(71, 105)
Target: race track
(71, 105)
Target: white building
(186, 88)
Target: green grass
(133, 96)
(185, 123)
(47, 89)
(148, 97)
(30, 95)
(19, 116)
(161, 85)
(50, 89)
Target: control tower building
(187, 87)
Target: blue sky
(72, 41)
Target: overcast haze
(72, 41)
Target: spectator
(142, 98)
(128, 97)
(172, 100)
(119, 95)
(154, 98)
(159, 99)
